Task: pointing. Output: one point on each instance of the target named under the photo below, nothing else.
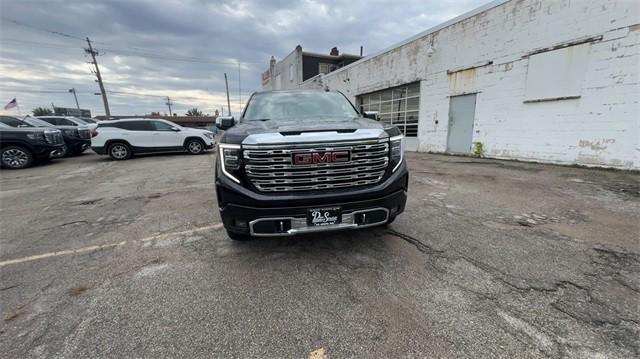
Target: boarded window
(557, 74)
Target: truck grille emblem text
(308, 158)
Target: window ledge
(552, 99)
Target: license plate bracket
(324, 216)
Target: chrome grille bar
(270, 168)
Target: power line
(59, 33)
(136, 51)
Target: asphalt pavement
(491, 259)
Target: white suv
(122, 139)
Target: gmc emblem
(308, 158)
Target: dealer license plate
(324, 216)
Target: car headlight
(396, 143)
(208, 134)
(35, 136)
(230, 157)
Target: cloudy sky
(181, 49)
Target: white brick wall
(601, 128)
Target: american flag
(13, 103)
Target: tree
(194, 112)
(42, 111)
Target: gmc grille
(54, 138)
(84, 133)
(271, 168)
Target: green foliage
(194, 112)
(42, 111)
(478, 149)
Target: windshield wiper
(261, 119)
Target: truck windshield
(297, 106)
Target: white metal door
(461, 113)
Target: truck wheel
(119, 151)
(195, 147)
(16, 157)
(238, 236)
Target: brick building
(534, 80)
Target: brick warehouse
(548, 81)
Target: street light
(73, 90)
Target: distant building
(206, 122)
(300, 66)
(548, 81)
(70, 111)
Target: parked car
(122, 139)
(77, 137)
(21, 146)
(307, 161)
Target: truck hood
(318, 130)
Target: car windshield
(13, 122)
(36, 122)
(296, 106)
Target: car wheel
(119, 151)
(239, 236)
(16, 157)
(195, 147)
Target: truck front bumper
(256, 214)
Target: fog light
(239, 223)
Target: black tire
(194, 146)
(119, 151)
(239, 236)
(16, 157)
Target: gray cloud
(140, 41)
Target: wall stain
(597, 145)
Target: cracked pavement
(491, 259)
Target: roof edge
(455, 20)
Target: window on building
(324, 68)
(291, 73)
(557, 74)
(396, 106)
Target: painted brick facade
(488, 52)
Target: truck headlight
(69, 132)
(396, 145)
(230, 160)
(35, 136)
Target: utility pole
(169, 104)
(226, 83)
(239, 88)
(73, 90)
(93, 54)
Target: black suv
(20, 147)
(77, 138)
(306, 161)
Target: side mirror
(225, 122)
(372, 115)
(175, 129)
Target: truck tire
(194, 146)
(119, 151)
(238, 236)
(16, 157)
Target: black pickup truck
(20, 147)
(306, 161)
